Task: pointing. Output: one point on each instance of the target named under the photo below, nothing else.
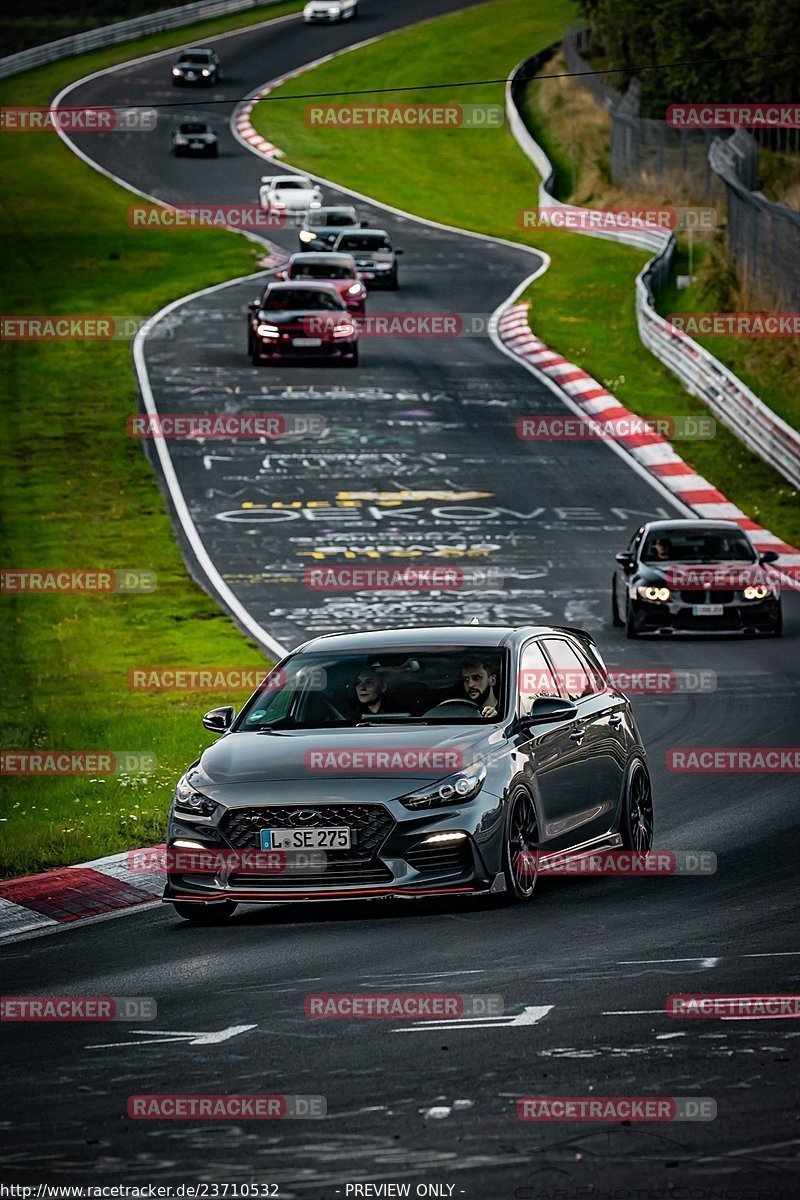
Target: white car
(319, 12)
(289, 194)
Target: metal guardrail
(124, 31)
(730, 400)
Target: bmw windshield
(451, 685)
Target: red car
(301, 320)
(337, 269)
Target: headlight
(756, 591)
(270, 331)
(356, 289)
(187, 799)
(654, 593)
(315, 204)
(343, 330)
(455, 789)
(176, 71)
(181, 141)
(206, 72)
(307, 236)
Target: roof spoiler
(582, 634)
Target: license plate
(305, 839)
(198, 146)
(707, 610)
(306, 341)
(367, 274)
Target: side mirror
(625, 559)
(769, 556)
(398, 251)
(548, 709)
(363, 225)
(253, 305)
(281, 275)
(219, 720)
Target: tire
(631, 630)
(394, 283)
(616, 619)
(351, 362)
(205, 914)
(522, 834)
(636, 818)
(214, 152)
(777, 629)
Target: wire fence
(763, 237)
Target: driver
(661, 549)
(370, 687)
(479, 684)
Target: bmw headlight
(355, 289)
(661, 594)
(206, 72)
(176, 71)
(268, 331)
(315, 204)
(455, 789)
(307, 236)
(181, 141)
(187, 799)
(756, 591)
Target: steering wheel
(331, 708)
(456, 700)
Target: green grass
(584, 305)
(77, 492)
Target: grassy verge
(77, 492)
(479, 179)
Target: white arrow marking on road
(175, 1035)
(528, 1016)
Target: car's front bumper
(390, 855)
(743, 618)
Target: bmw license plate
(707, 610)
(198, 146)
(305, 839)
(306, 341)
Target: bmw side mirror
(624, 559)
(363, 225)
(548, 709)
(769, 556)
(397, 251)
(253, 305)
(219, 720)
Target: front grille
(693, 597)
(370, 824)
(728, 621)
(454, 858)
(721, 596)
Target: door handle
(615, 719)
(577, 735)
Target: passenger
(370, 687)
(479, 684)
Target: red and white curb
(652, 452)
(100, 888)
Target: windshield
(322, 271)
(700, 546)
(193, 127)
(283, 185)
(453, 685)
(196, 56)
(364, 241)
(289, 299)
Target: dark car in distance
(194, 137)
(376, 257)
(301, 320)
(197, 66)
(410, 763)
(695, 577)
(322, 227)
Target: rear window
(290, 299)
(364, 241)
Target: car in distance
(374, 253)
(323, 225)
(410, 763)
(289, 194)
(194, 137)
(337, 269)
(325, 12)
(695, 577)
(301, 320)
(199, 65)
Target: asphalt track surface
(411, 1103)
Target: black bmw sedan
(695, 577)
(410, 763)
